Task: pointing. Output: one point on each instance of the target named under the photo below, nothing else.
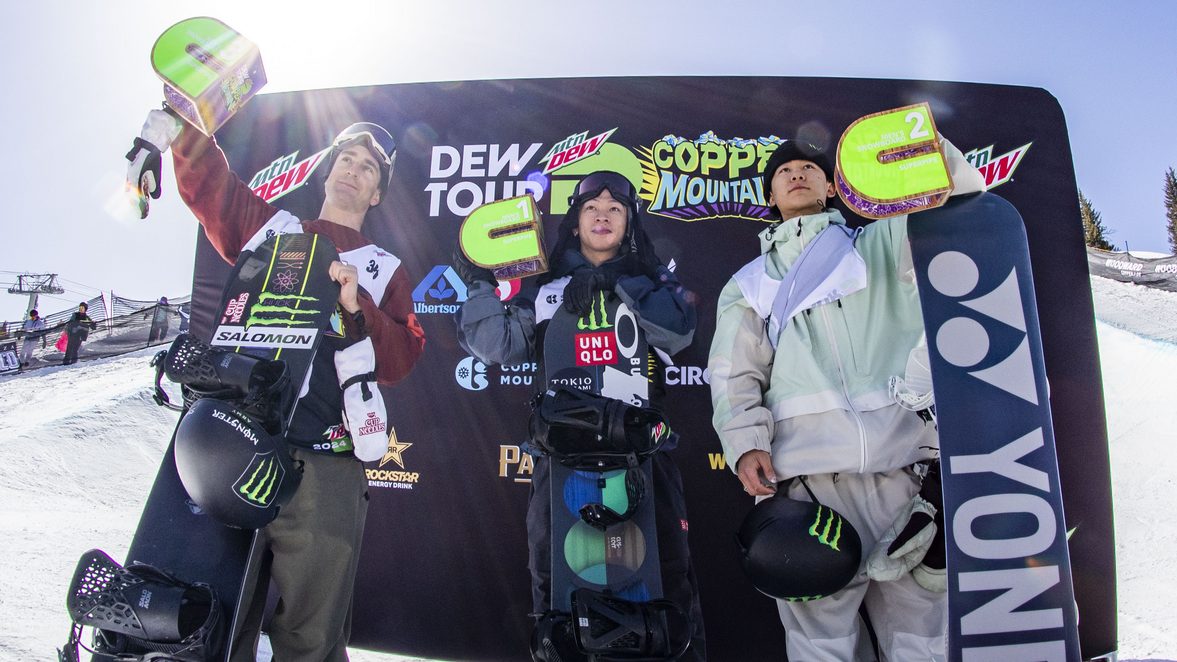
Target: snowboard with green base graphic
(605, 353)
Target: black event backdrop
(443, 572)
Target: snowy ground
(81, 445)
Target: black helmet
(233, 469)
(377, 139)
(798, 550)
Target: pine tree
(1171, 208)
(1093, 230)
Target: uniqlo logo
(596, 348)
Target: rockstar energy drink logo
(281, 310)
(827, 527)
(259, 483)
(708, 177)
(390, 477)
(597, 318)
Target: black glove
(471, 273)
(143, 173)
(585, 283)
(915, 541)
(161, 127)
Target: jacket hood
(565, 256)
(799, 229)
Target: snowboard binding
(140, 612)
(592, 433)
(260, 386)
(604, 627)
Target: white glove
(903, 546)
(364, 413)
(965, 176)
(143, 172)
(932, 579)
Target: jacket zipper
(825, 316)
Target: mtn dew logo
(827, 528)
(707, 177)
(574, 148)
(259, 483)
(997, 170)
(284, 175)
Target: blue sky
(78, 82)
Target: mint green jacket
(819, 403)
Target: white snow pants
(909, 621)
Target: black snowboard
(277, 305)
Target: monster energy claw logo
(832, 527)
(598, 308)
(258, 485)
(280, 310)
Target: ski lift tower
(34, 285)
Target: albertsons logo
(440, 292)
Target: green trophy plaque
(891, 163)
(208, 69)
(505, 236)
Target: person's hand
(143, 174)
(585, 283)
(754, 469)
(905, 543)
(471, 273)
(349, 285)
(144, 160)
